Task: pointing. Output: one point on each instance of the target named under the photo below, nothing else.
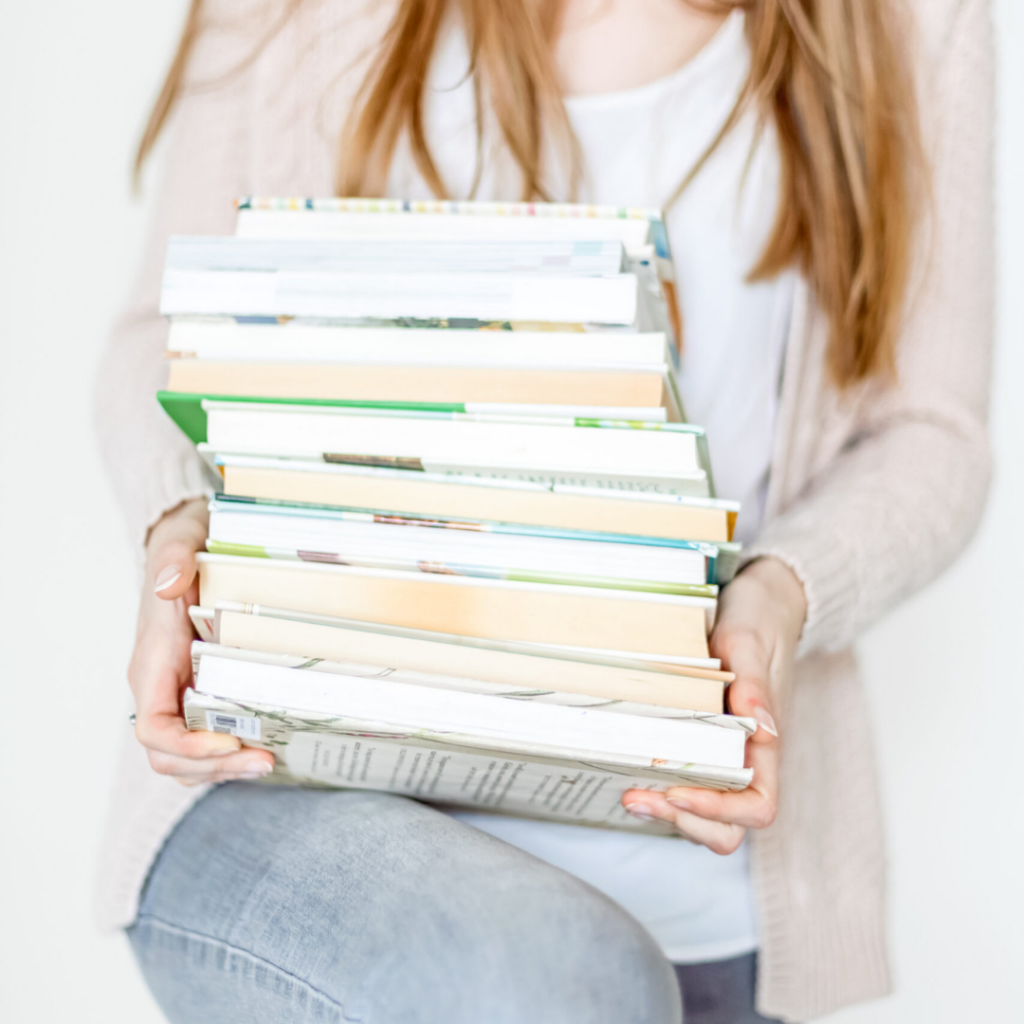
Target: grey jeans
(295, 905)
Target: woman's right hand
(161, 665)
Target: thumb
(174, 568)
(749, 694)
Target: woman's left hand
(760, 617)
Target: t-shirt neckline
(728, 35)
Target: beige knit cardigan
(872, 493)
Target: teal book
(718, 560)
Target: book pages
(344, 753)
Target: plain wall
(944, 671)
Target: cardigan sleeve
(906, 493)
(152, 466)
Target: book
(319, 749)
(548, 761)
(596, 394)
(408, 702)
(398, 220)
(640, 513)
(620, 620)
(605, 299)
(518, 691)
(461, 547)
(509, 667)
(226, 339)
(234, 255)
(663, 457)
(205, 620)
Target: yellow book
(455, 384)
(332, 643)
(424, 494)
(634, 621)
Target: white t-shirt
(637, 145)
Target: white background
(945, 671)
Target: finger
(750, 808)
(750, 698)
(165, 732)
(719, 837)
(174, 567)
(247, 763)
(749, 694)
(753, 807)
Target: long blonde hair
(830, 75)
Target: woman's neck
(610, 45)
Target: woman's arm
(161, 665)
(902, 500)
(160, 481)
(898, 504)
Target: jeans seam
(230, 947)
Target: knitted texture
(872, 493)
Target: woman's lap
(272, 904)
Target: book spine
(235, 503)
(449, 207)
(370, 561)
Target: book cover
(313, 748)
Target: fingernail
(640, 811)
(680, 802)
(765, 721)
(258, 768)
(250, 775)
(169, 575)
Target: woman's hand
(760, 618)
(161, 665)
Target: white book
(283, 531)
(226, 340)
(394, 220)
(510, 725)
(327, 750)
(528, 759)
(372, 255)
(665, 457)
(465, 684)
(609, 299)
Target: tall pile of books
(466, 547)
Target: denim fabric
(296, 905)
(720, 991)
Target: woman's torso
(636, 147)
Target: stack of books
(466, 547)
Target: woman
(833, 245)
